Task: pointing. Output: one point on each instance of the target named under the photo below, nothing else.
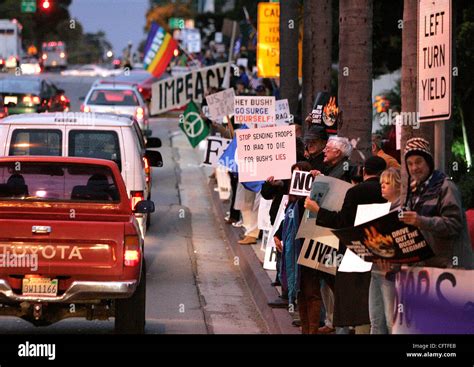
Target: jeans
(381, 303)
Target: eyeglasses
(326, 148)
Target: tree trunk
(289, 84)
(355, 74)
(317, 46)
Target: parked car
(105, 136)
(3, 109)
(92, 259)
(90, 70)
(30, 66)
(117, 99)
(23, 94)
(142, 79)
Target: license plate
(8, 99)
(40, 287)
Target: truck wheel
(130, 312)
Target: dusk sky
(121, 20)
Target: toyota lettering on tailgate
(48, 252)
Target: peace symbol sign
(193, 125)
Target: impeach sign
(171, 93)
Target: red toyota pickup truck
(69, 242)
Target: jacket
(443, 223)
(351, 291)
(367, 192)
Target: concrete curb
(278, 320)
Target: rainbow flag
(159, 51)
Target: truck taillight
(139, 113)
(136, 197)
(131, 255)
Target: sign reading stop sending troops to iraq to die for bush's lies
(262, 153)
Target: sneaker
(227, 217)
(238, 224)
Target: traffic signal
(45, 5)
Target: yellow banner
(268, 40)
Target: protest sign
(434, 301)
(387, 238)
(254, 110)
(214, 149)
(262, 153)
(329, 192)
(319, 256)
(282, 112)
(172, 93)
(223, 183)
(351, 263)
(193, 125)
(301, 183)
(269, 262)
(278, 219)
(221, 104)
(264, 215)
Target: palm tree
(317, 46)
(355, 74)
(289, 32)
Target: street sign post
(28, 6)
(434, 60)
(268, 40)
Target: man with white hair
(336, 157)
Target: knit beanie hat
(421, 147)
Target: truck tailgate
(83, 249)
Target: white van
(94, 135)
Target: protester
(315, 141)
(290, 270)
(382, 281)
(275, 190)
(336, 158)
(247, 202)
(261, 91)
(433, 204)
(351, 289)
(377, 150)
(243, 77)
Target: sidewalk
(279, 321)
(248, 259)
